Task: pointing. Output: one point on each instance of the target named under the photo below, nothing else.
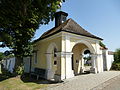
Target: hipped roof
(69, 26)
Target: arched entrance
(51, 60)
(78, 64)
(87, 60)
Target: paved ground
(112, 84)
(87, 82)
(115, 85)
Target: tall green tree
(1, 56)
(19, 20)
(117, 56)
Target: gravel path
(85, 82)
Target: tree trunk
(18, 62)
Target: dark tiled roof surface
(68, 26)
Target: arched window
(86, 52)
(55, 50)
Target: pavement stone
(112, 84)
(86, 82)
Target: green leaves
(1, 56)
(102, 45)
(116, 63)
(117, 55)
(19, 20)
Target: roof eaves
(41, 38)
(82, 34)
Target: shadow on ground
(4, 77)
(26, 78)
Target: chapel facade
(60, 51)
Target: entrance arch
(88, 44)
(51, 60)
(87, 60)
(77, 57)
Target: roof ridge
(67, 22)
(82, 29)
(57, 28)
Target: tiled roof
(103, 48)
(110, 53)
(69, 26)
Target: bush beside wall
(115, 66)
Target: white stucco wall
(99, 58)
(69, 41)
(26, 61)
(9, 64)
(108, 60)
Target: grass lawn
(15, 83)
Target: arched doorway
(51, 60)
(87, 60)
(78, 51)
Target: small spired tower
(60, 17)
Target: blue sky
(100, 17)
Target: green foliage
(5, 73)
(19, 70)
(9, 56)
(115, 66)
(87, 58)
(1, 56)
(116, 63)
(102, 45)
(19, 20)
(117, 55)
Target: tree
(116, 63)
(117, 55)
(19, 20)
(102, 45)
(1, 56)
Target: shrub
(19, 70)
(115, 66)
(117, 55)
(5, 74)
